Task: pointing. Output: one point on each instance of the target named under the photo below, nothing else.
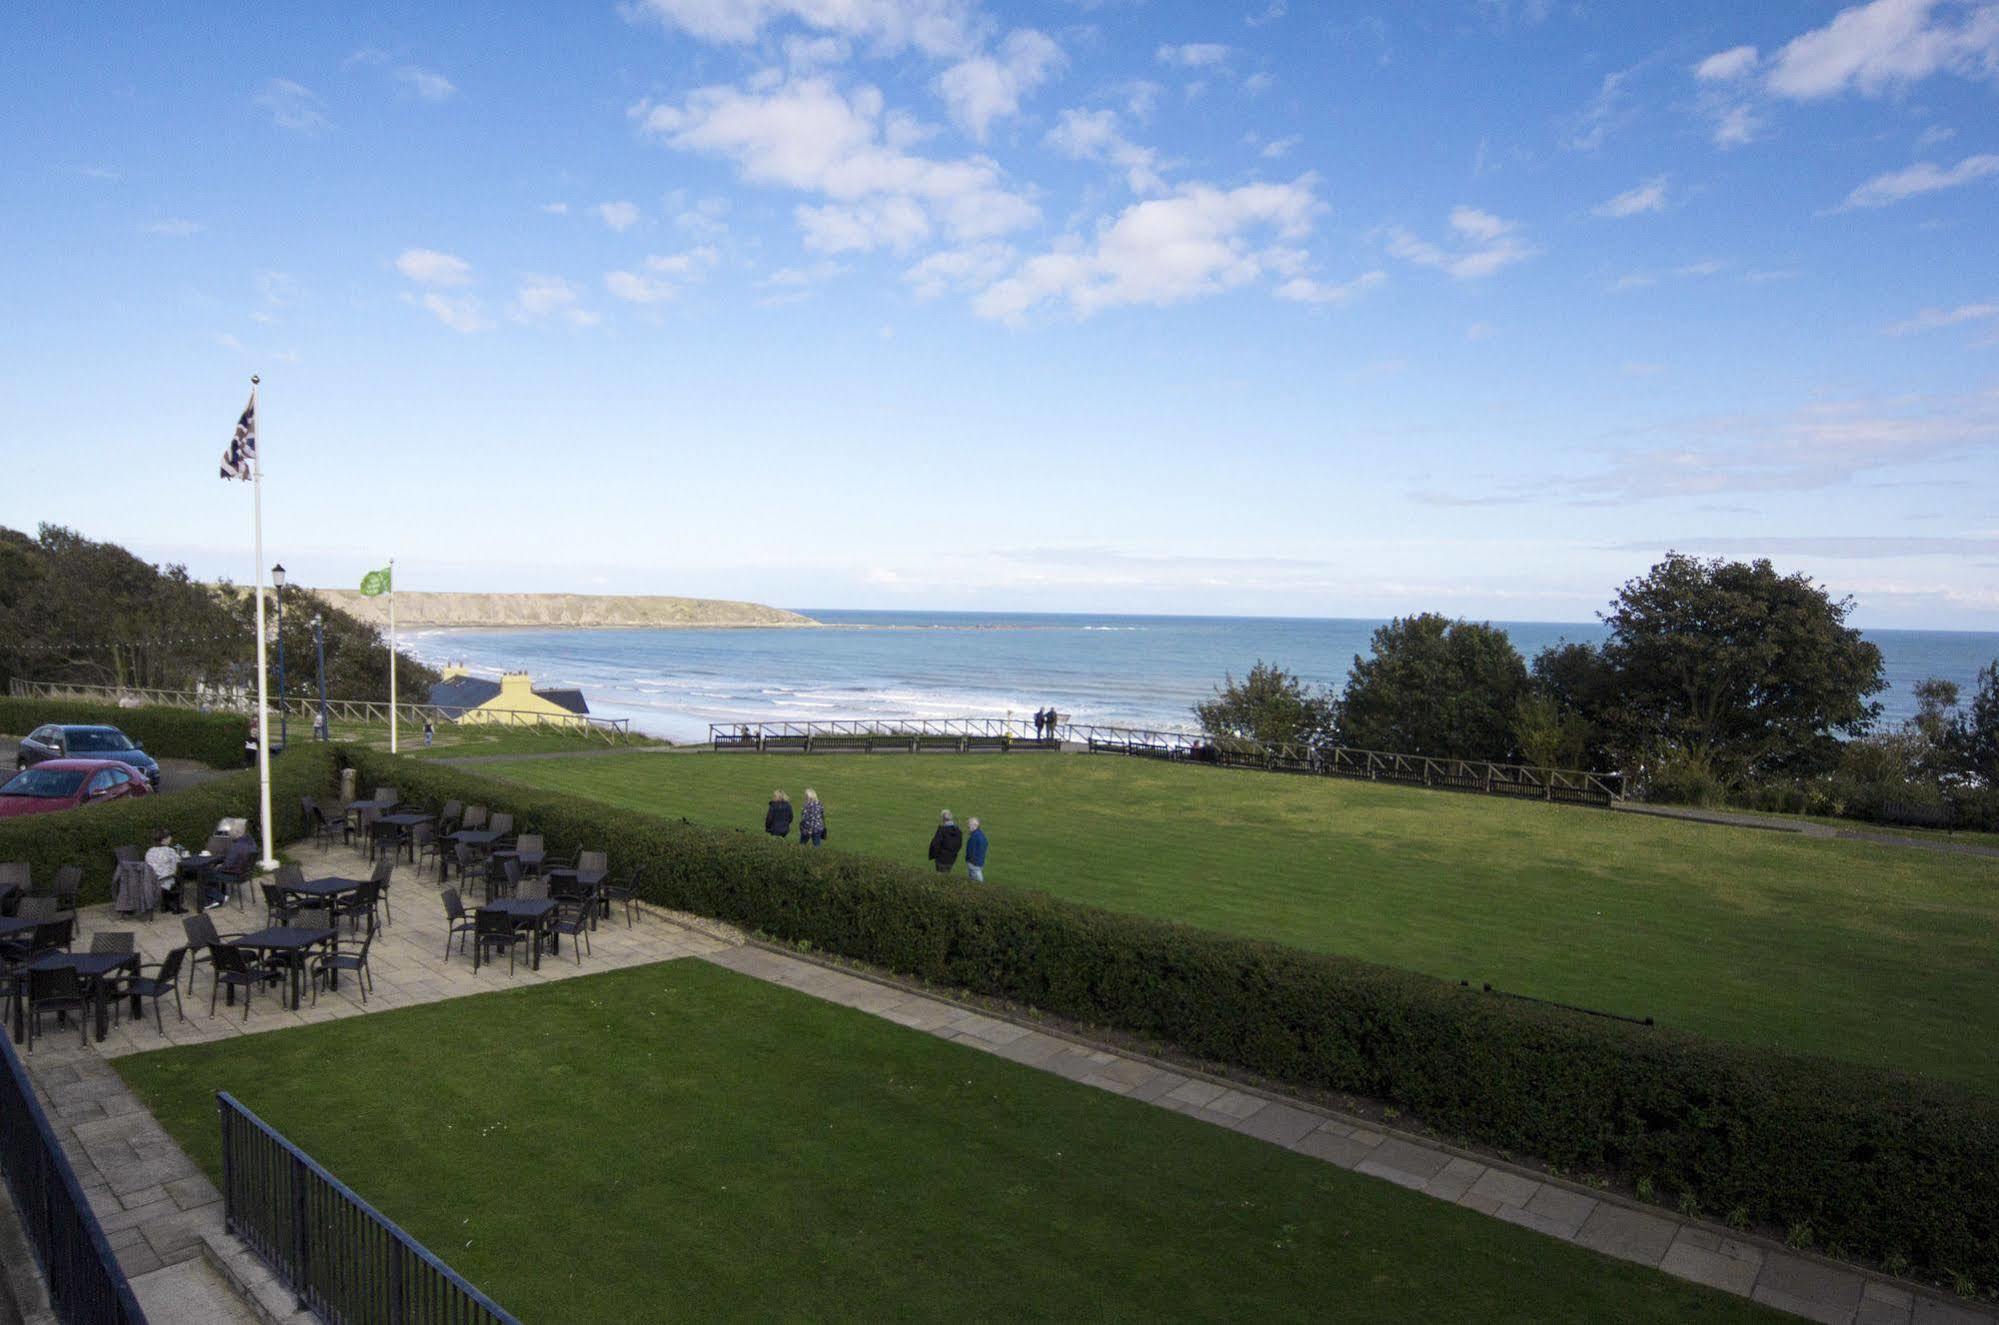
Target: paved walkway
(164, 1218)
(1805, 828)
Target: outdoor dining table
(12, 925)
(477, 837)
(326, 888)
(534, 912)
(94, 969)
(402, 823)
(294, 943)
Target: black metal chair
(355, 961)
(448, 817)
(495, 929)
(531, 844)
(385, 871)
(574, 919)
(503, 824)
(358, 904)
(626, 894)
(457, 922)
(532, 890)
(163, 981)
(68, 884)
(234, 970)
(475, 818)
(60, 991)
(425, 844)
(278, 907)
(114, 941)
(503, 877)
(201, 941)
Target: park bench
(1916, 814)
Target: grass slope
(1878, 955)
(678, 1141)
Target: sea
(1137, 671)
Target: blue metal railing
(86, 1285)
(342, 1258)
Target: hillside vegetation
(566, 610)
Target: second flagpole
(392, 655)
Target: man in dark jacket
(777, 815)
(975, 852)
(1051, 722)
(944, 843)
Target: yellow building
(511, 699)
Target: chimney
(454, 672)
(515, 686)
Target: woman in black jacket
(944, 843)
(777, 817)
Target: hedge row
(1873, 1164)
(216, 739)
(87, 835)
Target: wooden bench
(1914, 814)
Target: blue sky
(1265, 307)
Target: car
(79, 741)
(64, 784)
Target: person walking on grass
(777, 815)
(812, 824)
(975, 853)
(944, 843)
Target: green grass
(459, 742)
(1874, 954)
(680, 1142)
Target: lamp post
(319, 643)
(278, 580)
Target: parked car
(76, 741)
(64, 784)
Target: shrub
(1679, 777)
(87, 836)
(216, 739)
(1869, 1159)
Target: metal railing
(85, 1284)
(1571, 786)
(342, 1258)
(615, 731)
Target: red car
(64, 784)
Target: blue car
(65, 741)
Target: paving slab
(1630, 1235)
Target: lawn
(679, 1141)
(1874, 954)
(452, 741)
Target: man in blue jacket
(975, 853)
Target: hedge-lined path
(1689, 1249)
(162, 1215)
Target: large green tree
(1738, 669)
(1269, 705)
(1975, 733)
(1434, 686)
(1572, 693)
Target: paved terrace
(164, 1218)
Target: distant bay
(1121, 670)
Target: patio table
(476, 837)
(94, 969)
(293, 942)
(534, 912)
(12, 925)
(325, 888)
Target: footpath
(1804, 828)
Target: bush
(1680, 778)
(216, 739)
(1872, 1160)
(87, 836)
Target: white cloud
(661, 278)
(808, 53)
(1647, 197)
(1705, 267)
(1726, 66)
(984, 88)
(805, 134)
(1278, 147)
(1735, 123)
(1932, 319)
(1880, 47)
(1259, 83)
(940, 28)
(1936, 133)
(1193, 55)
(173, 227)
(1200, 241)
(293, 106)
(1094, 135)
(894, 222)
(546, 297)
(1274, 11)
(620, 216)
(1141, 99)
(704, 217)
(425, 83)
(1480, 331)
(1484, 244)
(1605, 112)
(556, 208)
(970, 268)
(1306, 290)
(426, 266)
(1923, 177)
(1636, 280)
(461, 313)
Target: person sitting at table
(237, 862)
(164, 861)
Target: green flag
(375, 583)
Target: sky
(1237, 306)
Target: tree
(1449, 689)
(1269, 705)
(1736, 668)
(1975, 733)
(1547, 735)
(1576, 680)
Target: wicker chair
(201, 941)
(495, 929)
(626, 894)
(356, 961)
(163, 981)
(457, 922)
(574, 918)
(114, 941)
(56, 990)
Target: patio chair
(457, 922)
(465, 857)
(503, 824)
(69, 882)
(18, 873)
(114, 941)
(361, 902)
(626, 894)
(475, 818)
(322, 825)
(448, 817)
(56, 990)
(528, 843)
(355, 961)
(278, 908)
(164, 980)
(532, 890)
(201, 940)
(56, 923)
(313, 917)
(503, 878)
(425, 844)
(234, 970)
(574, 919)
(217, 843)
(388, 796)
(384, 872)
(495, 929)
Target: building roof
(469, 692)
(569, 699)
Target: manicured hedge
(87, 835)
(1874, 1164)
(216, 739)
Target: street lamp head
(278, 575)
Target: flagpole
(392, 655)
(269, 862)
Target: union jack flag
(241, 458)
